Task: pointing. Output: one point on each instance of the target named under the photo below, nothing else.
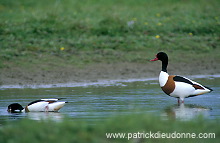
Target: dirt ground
(92, 73)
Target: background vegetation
(67, 32)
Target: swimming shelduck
(178, 86)
(42, 105)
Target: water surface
(103, 99)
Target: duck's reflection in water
(54, 116)
(186, 111)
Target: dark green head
(15, 108)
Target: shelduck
(42, 105)
(178, 86)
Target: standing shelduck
(178, 86)
(42, 105)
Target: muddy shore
(95, 72)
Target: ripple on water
(104, 98)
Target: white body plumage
(42, 105)
(178, 86)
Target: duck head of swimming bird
(15, 108)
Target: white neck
(163, 77)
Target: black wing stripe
(182, 79)
(35, 102)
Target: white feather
(55, 106)
(201, 91)
(182, 90)
(163, 77)
(44, 106)
(38, 107)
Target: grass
(93, 31)
(83, 132)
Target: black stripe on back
(35, 102)
(182, 79)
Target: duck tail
(61, 98)
(209, 88)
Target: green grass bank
(60, 33)
(83, 132)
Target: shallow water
(102, 99)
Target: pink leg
(180, 101)
(46, 109)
